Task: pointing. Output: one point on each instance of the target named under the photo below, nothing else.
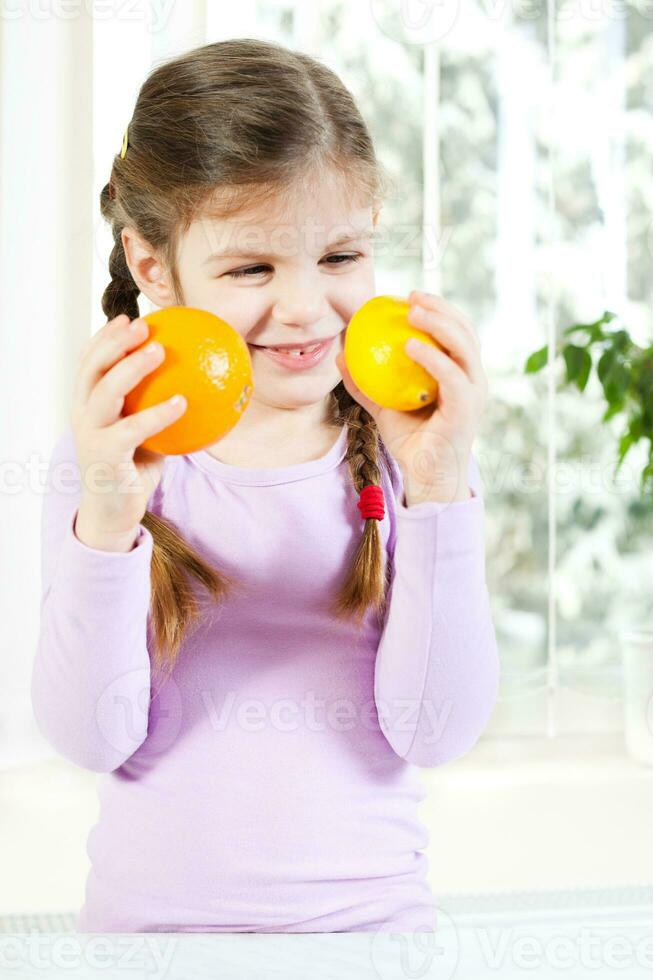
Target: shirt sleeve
(90, 682)
(437, 666)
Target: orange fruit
(374, 353)
(207, 362)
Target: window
(523, 153)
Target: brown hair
(246, 118)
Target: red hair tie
(370, 502)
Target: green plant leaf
(626, 441)
(593, 329)
(611, 410)
(581, 380)
(621, 340)
(625, 372)
(636, 427)
(536, 360)
(644, 389)
(605, 363)
(646, 476)
(578, 363)
(616, 381)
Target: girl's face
(292, 276)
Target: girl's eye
(245, 272)
(354, 257)
(253, 270)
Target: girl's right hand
(117, 475)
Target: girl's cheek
(236, 315)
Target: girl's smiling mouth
(297, 359)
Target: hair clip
(125, 143)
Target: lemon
(376, 359)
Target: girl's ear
(147, 271)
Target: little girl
(257, 643)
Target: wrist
(89, 534)
(447, 484)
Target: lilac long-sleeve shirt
(270, 783)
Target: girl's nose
(301, 307)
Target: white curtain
(46, 233)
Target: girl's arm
(90, 683)
(437, 666)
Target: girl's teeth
(296, 353)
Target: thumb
(353, 388)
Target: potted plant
(625, 372)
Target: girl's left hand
(432, 444)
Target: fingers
(109, 368)
(451, 379)
(121, 320)
(453, 335)
(440, 305)
(107, 397)
(108, 345)
(134, 429)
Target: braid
(366, 583)
(120, 295)
(170, 553)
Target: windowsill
(533, 759)
(525, 812)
